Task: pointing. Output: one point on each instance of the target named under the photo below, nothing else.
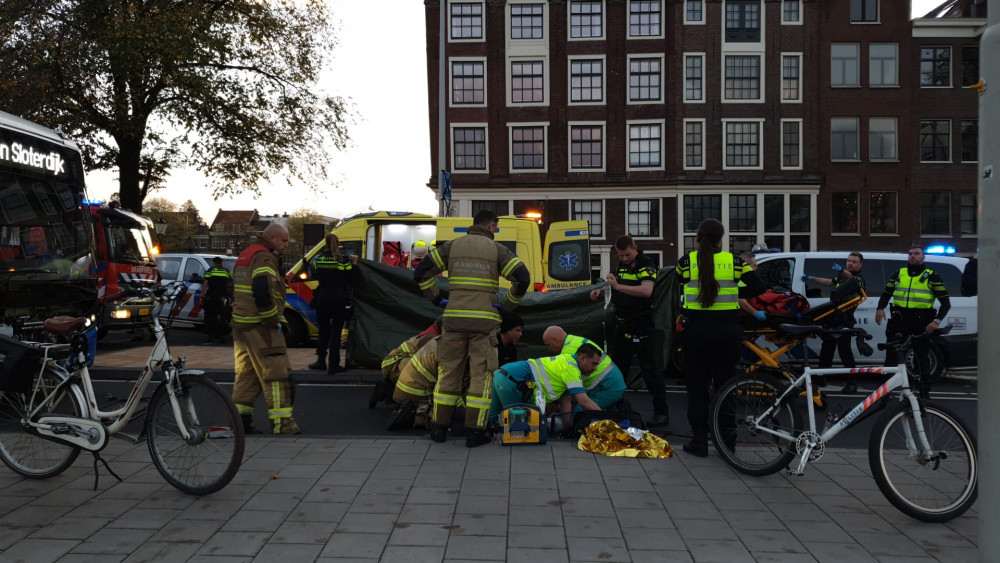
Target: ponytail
(709, 241)
(332, 244)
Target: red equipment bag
(780, 303)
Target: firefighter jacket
(474, 263)
(573, 343)
(259, 289)
(404, 351)
(220, 283)
(420, 375)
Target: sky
(388, 164)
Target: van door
(566, 255)
(193, 275)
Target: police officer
(217, 295)
(471, 318)
(332, 301)
(841, 319)
(912, 290)
(712, 337)
(631, 293)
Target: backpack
(786, 303)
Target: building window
(935, 140)
(968, 211)
(882, 138)
(644, 19)
(791, 144)
(468, 82)
(694, 11)
(791, 75)
(844, 64)
(527, 82)
(586, 81)
(742, 77)
(844, 212)
(644, 218)
(935, 67)
(586, 20)
(844, 138)
(591, 211)
(469, 148)
(697, 208)
(791, 11)
(527, 148)
(694, 144)
(586, 147)
(742, 21)
(526, 21)
(935, 213)
(882, 208)
(970, 65)
(864, 11)
(883, 64)
(743, 213)
(644, 80)
(645, 145)
(970, 141)
(694, 69)
(742, 144)
(467, 20)
(499, 206)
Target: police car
(189, 268)
(783, 271)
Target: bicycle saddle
(64, 324)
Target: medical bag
(522, 424)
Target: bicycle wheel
(26, 453)
(742, 444)
(210, 458)
(935, 488)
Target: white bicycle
(49, 413)
(922, 456)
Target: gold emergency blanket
(607, 438)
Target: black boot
(476, 438)
(381, 392)
(319, 364)
(698, 445)
(248, 424)
(438, 433)
(402, 417)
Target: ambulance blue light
(939, 249)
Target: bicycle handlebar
(898, 341)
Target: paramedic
(606, 384)
(631, 289)
(711, 337)
(471, 319)
(332, 301)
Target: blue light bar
(93, 202)
(939, 249)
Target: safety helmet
(419, 249)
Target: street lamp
(161, 229)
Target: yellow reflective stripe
(510, 266)
(477, 282)
(626, 276)
(279, 413)
(412, 390)
(249, 319)
(428, 283)
(244, 409)
(476, 402)
(444, 399)
(264, 270)
(513, 298)
(471, 314)
(437, 260)
(269, 312)
(432, 377)
(406, 348)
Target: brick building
(646, 117)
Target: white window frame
(628, 19)
(781, 142)
(451, 82)
(760, 143)
(545, 23)
(895, 133)
(546, 72)
(857, 133)
(798, 100)
(694, 22)
(659, 229)
(684, 93)
(451, 146)
(628, 141)
(569, 145)
(870, 66)
(545, 147)
(762, 79)
(684, 144)
(604, 217)
(482, 5)
(628, 70)
(604, 79)
(782, 8)
(604, 22)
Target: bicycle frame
(899, 380)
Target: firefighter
(332, 302)
(396, 361)
(473, 262)
(217, 297)
(711, 334)
(415, 388)
(259, 333)
(606, 384)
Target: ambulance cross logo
(569, 261)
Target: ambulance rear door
(566, 259)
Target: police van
(783, 271)
(190, 269)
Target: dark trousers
(216, 316)
(331, 314)
(907, 322)
(712, 350)
(842, 344)
(635, 337)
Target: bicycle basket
(18, 365)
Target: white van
(189, 268)
(783, 271)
